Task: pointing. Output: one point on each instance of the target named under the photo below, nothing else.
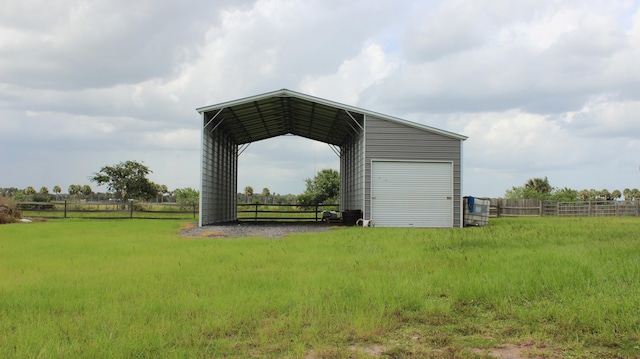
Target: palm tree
(583, 195)
(86, 190)
(540, 185)
(604, 194)
(57, 190)
(74, 190)
(265, 194)
(248, 192)
(616, 194)
(163, 189)
(537, 188)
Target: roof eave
(289, 93)
(277, 93)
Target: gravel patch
(253, 229)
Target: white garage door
(412, 194)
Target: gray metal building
(398, 173)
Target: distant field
(546, 287)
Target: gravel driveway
(253, 229)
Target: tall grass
(137, 289)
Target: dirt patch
(520, 351)
(252, 229)
(370, 350)
(374, 350)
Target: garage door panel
(412, 194)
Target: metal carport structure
(229, 127)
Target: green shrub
(8, 211)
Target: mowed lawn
(545, 287)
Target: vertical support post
(256, 213)
(316, 212)
(203, 157)
(65, 208)
(540, 208)
(130, 209)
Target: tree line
(128, 180)
(324, 188)
(540, 188)
(125, 181)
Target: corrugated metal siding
(412, 194)
(219, 180)
(386, 140)
(352, 173)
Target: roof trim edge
(288, 93)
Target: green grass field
(548, 287)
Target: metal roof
(285, 112)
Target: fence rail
(108, 210)
(121, 210)
(501, 207)
(281, 212)
(592, 209)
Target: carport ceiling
(283, 112)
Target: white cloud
(521, 140)
(181, 139)
(541, 87)
(78, 45)
(552, 61)
(353, 76)
(603, 117)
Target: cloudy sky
(540, 87)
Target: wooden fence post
(540, 201)
(130, 209)
(65, 208)
(256, 214)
